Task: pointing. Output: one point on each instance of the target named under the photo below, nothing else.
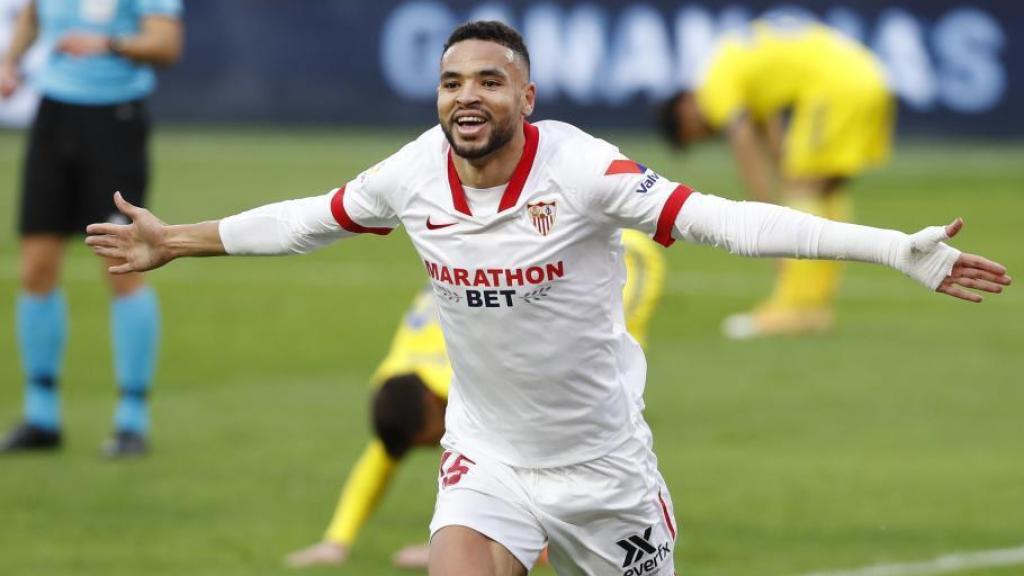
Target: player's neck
(494, 169)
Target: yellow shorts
(839, 132)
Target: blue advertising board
(956, 66)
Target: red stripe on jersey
(346, 222)
(515, 184)
(623, 167)
(667, 220)
(458, 194)
(668, 517)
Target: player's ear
(529, 99)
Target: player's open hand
(320, 554)
(140, 244)
(972, 271)
(944, 269)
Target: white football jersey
(529, 293)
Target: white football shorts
(609, 516)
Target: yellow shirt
(418, 346)
(842, 111)
(773, 66)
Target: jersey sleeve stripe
(346, 222)
(667, 220)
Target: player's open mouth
(470, 124)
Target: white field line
(947, 564)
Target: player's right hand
(10, 79)
(320, 554)
(140, 244)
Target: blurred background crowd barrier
(597, 63)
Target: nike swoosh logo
(432, 226)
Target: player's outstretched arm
(289, 227)
(148, 242)
(755, 229)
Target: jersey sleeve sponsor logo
(650, 177)
(542, 216)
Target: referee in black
(88, 140)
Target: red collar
(515, 185)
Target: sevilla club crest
(542, 215)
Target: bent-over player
(805, 110)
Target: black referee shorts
(78, 156)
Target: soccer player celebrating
(840, 118)
(408, 406)
(517, 226)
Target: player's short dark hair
(491, 31)
(670, 121)
(399, 412)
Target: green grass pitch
(898, 438)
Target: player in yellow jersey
(412, 392)
(804, 109)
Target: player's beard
(500, 135)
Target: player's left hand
(947, 270)
(83, 44)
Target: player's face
(483, 97)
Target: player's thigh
(462, 551)
(116, 159)
(49, 177)
(611, 516)
(488, 499)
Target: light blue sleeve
(161, 7)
